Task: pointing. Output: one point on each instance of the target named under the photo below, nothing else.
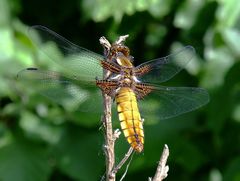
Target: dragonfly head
(119, 48)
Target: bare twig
(162, 168)
(124, 174)
(121, 39)
(125, 158)
(109, 141)
(107, 122)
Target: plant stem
(107, 121)
(109, 141)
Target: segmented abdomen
(130, 118)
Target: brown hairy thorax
(121, 71)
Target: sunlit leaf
(228, 13)
(159, 8)
(6, 48)
(187, 14)
(5, 12)
(39, 129)
(215, 175)
(103, 9)
(232, 37)
(219, 59)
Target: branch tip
(121, 39)
(162, 169)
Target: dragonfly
(128, 85)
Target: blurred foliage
(40, 140)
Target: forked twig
(121, 163)
(162, 168)
(124, 174)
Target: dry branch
(107, 122)
(162, 168)
(121, 163)
(109, 140)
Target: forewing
(77, 61)
(70, 93)
(169, 102)
(162, 69)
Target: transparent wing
(70, 93)
(76, 60)
(169, 102)
(163, 69)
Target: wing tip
(191, 49)
(34, 27)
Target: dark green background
(40, 140)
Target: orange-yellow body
(130, 119)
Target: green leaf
(24, 161)
(219, 59)
(5, 12)
(79, 154)
(215, 175)
(6, 48)
(159, 8)
(39, 129)
(225, 95)
(185, 152)
(187, 14)
(231, 37)
(229, 13)
(100, 10)
(232, 171)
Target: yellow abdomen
(130, 118)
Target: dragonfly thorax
(124, 61)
